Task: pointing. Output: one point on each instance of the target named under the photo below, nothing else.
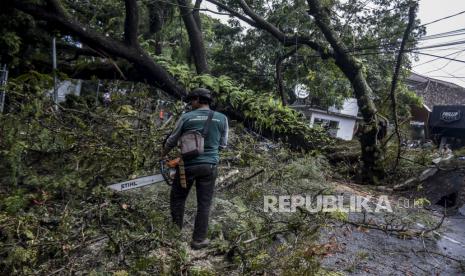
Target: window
(329, 125)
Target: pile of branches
(57, 217)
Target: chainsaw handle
(163, 172)
(162, 165)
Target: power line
(448, 32)
(431, 55)
(378, 51)
(456, 32)
(446, 77)
(444, 44)
(447, 63)
(380, 47)
(459, 48)
(444, 35)
(443, 18)
(437, 58)
(453, 76)
(459, 69)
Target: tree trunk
(141, 67)
(129, 50)
(194, 32)
(372, 153)
(279, 81)
(279, 71)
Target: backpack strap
(207, 124)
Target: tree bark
(372, 153)
(395, 78)
(279, 76)
(131, 23)
(153, 73)
(196, 13)
(194, 32)
(286, 40)
(139, 66)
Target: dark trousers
(204, 176)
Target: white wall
(67, 87)
(349, 107)
(346, 125)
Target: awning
(448, 120)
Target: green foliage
(421, 202)
(55, 164)
(16, 202)
(263, 111)
(412, 162)
(82, 142)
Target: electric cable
(443, 18)
(445, 65)
(436, 59)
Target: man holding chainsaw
(201, 133)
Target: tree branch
(395, 77)
(62, 21)
(348, 64)
(154, 74)
(286, 40)
(195, 37)
(196, 13)
(77, 52)
(56, 6)
(234, 13)
(322, 20)
(104, 69)
(372, 154)
(279, 69)
(131, 23)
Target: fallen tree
(374, 125)
(57, 217)
(265, 114)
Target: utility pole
(54, 62)
(3, 81)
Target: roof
(423, 79)
(307, 110)
(436, 92)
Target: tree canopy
(337, 49)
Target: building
(440, 99)
(67, 87)
(341, 123)
(436, 92)
(448, 122)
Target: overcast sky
(429, 11)
(451, 71)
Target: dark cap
(199, 93)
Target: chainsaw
(167, 175)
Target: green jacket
(217, 137)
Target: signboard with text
(451, 116)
